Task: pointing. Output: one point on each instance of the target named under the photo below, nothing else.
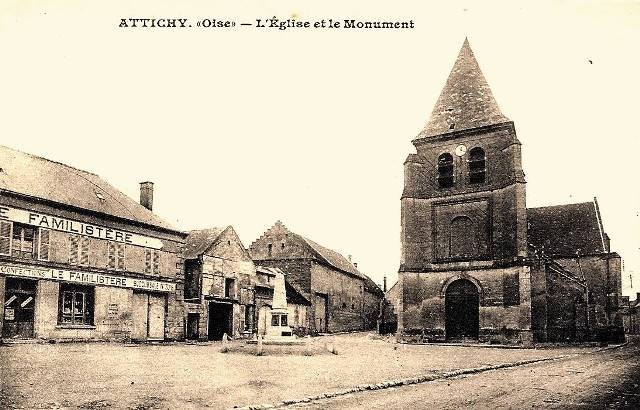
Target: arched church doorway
(462, 306)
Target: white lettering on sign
(86, 278)
(81, 228)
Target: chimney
(146, 195)
(384, 284)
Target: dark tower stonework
(463, 270)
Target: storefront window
(76, 305)
(23, 243)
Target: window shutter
(73, 249)
(43, 244)
(111, 255)
(120, 256)
(84, 250)
(156, 262)
(147, 261)
(6, 229)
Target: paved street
(112, 375)
(608, 379)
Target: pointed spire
(466, 100)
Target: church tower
(463, 218)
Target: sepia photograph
(305, 204)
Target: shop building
(81, 260)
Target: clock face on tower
(461, 150)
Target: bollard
(259, 351)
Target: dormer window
(445, 170)
(477, 166)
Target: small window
(269, 249)
(445, 170)
(283, 320)
(477, 166)
(275, 320)
(75, 305)
(229, 288)
(23, 244)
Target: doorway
(220, 320)
(462, 309)
(19, 307)
(148, 316)
(193, 332)
(321, 313)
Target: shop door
(19, 303)
(140, 316)
(321, 313)
(156, 317)
(148, 316)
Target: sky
(246, 126)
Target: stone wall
(423, 304)
(345, 298)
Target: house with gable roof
(220, 279)
(80, 260)
(342, 298)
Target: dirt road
(607, 379)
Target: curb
(402, 382)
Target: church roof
(466, 100)
(562, 230)
(38, 177)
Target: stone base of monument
(279, 340)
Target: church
(476, 263)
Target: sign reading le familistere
(80, 228)
(86, 278)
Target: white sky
(245, 127)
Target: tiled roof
(372, 287)
(466, 101)
(294, 295)
(199, 241)
(565, 229)
(41, 178)
(333, 258)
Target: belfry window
(477, 166)
(445, 170)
